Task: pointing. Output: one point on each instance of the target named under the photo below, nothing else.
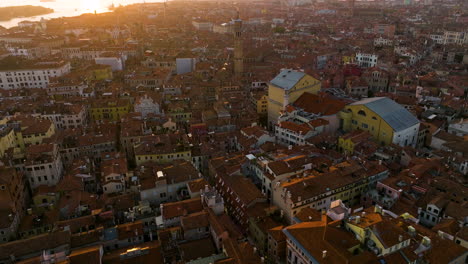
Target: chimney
(441, 233)
(324, 254)
(377, 209)
(411, 230)
(426, 241)
(400, 238)
(358, 219)
(324, 217)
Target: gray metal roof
(287, 79)
(393, 113)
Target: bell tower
(238, 48)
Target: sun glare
(90, 5)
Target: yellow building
(162, 148)
(339, 183)
(380, 233)
(30, 130)
(387, 121)
(109, 110)
(162, 157)
(348, 142)
(179, 114)
(45, 198)
(100, 72)
(285, 88)
(260, 101)
(348, 59)
(7, 139)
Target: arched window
(361, 112)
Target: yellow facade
(346, 145)
(279, 97)
(347, 59)
(179, 115)
(346, 194)
(44, 201)
(367, 233)
(262, 104)
(109, 111)
(23, 140)
(163, 158)
(356, 117)
(100, 73)
(7, 140)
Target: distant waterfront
(66, 8)
(11, 12)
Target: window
(361, 112)
(364, 125)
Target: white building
(43, 165)
(185, 65)
(27, 51)
(116, 61)
(82, 53)
(459, 128)
(437, 38)
(164, 185)
(223, 28)
(146, 105)
(366, 59)
(454, 37)
(380, 41)
(291, 133)
(69, 89)
(205, 26)
(66, 116)
(411, 54)
(34, 75)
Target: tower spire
(238, 48)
